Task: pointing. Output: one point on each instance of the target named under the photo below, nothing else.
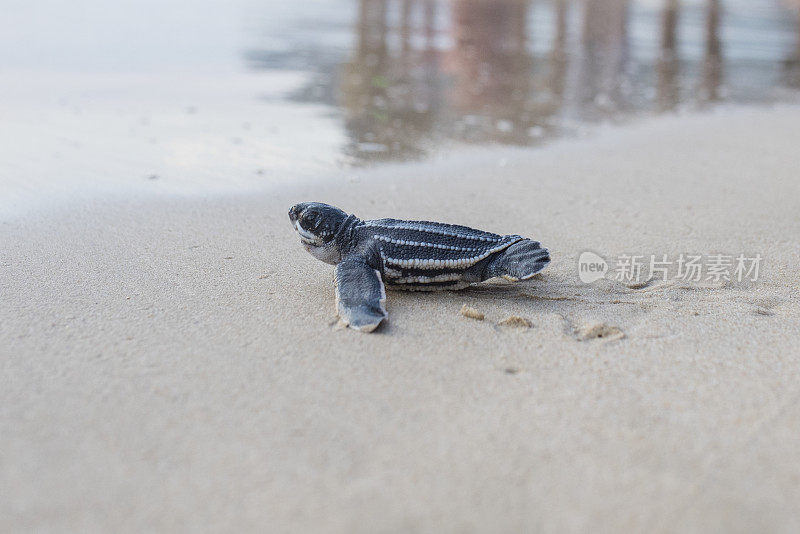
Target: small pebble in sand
(515, 321)
(596, 329)
(472, 313)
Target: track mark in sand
(644, 284)
(598, 330)
(764, 306)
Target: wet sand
(177, 365)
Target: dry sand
(176, 365)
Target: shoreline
(178, 187)
(175, 363)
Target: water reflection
(604, 83)
(491, 70)
(421, 74)
(667, 63)
(792, 63)
(390, 99)
(712, 61)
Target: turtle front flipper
(359, 294)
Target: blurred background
(412, 74)
(198, 97)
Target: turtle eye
(311, 218)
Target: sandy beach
(176, 364)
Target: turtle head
(317, 225)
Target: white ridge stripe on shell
(391, 273)
(429, 230)
(423, 244)
(460, 264)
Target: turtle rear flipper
(359, 294)
(520, 261)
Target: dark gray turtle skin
(410, 255)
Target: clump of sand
(471, 313)
(515, 321)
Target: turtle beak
(306, 236)
(294, 214)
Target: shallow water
(207, 97)
(405, 77)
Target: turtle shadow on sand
(580, 308)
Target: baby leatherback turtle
(412, 255)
